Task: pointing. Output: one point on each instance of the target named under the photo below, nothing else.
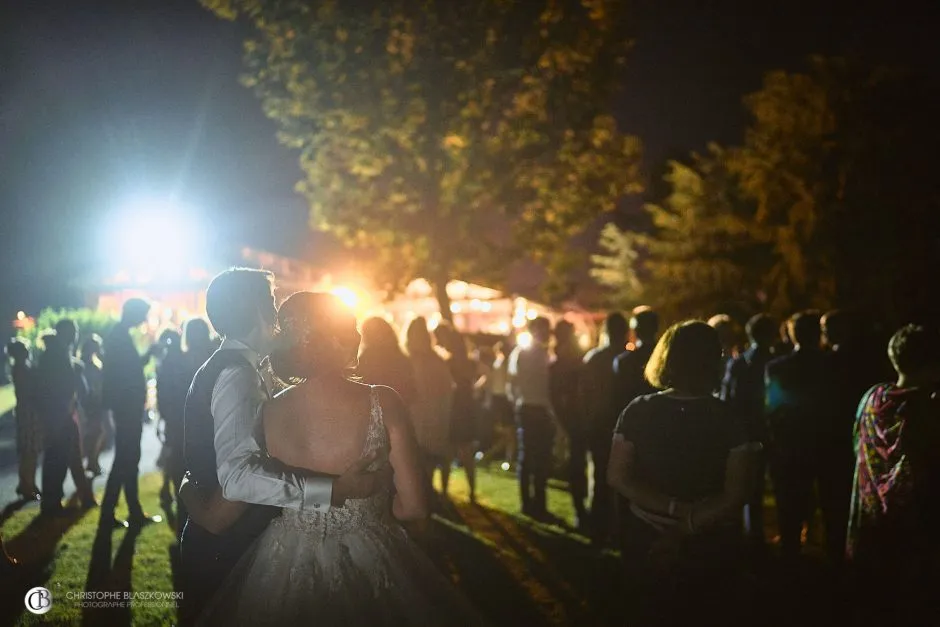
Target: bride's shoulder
(389, 401)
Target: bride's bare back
(321, 428)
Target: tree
(446, 139)
(701, 251)
(836, 160)
(830, 201)
(617, 267)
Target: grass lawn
(515, 570)
(7, 399)
(64, 556)
(475, 546)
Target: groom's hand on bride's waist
(358, 482)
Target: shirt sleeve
(245, 472)
(628, 423)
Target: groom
(224, 440)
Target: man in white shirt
(224, 442)
(530, 393)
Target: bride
(352, 565)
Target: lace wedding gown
(352, 565)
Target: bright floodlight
(347, 295)
(155, 238)
(524, 340)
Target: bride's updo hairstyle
(318, 338)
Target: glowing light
(524, 339)
(154, 239)
(478, 456)
(434, 321)
(486, 306)
(503, 327)
(455, 307)
(21, 315)
(347, 295)
(532, 314)
(504, 465)
(584, 341)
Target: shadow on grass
(34, 549)
(12, 508)
(521, 572)
(103, 576)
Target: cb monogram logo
(38, 600)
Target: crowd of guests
(71, 406)
(683, 430)
(686, 431)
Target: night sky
(100, 100)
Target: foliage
(88, 320)
(617, 268)
(817, 207)
(447, 139)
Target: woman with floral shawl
(892, 535)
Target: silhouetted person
(530, 393)
(125, 394)
(93, 403)
(743, 389)
(565, 381)
(798, 405)
(783, 345)
(681, 459)
(173, 380)
(599, 398)
(853, 369)
(895, 505)
(729, 336)
(463, 406)
(629, 380)
(60, 390)
(499, 407)
(198, 344)
(381, 360)
(67, 331)
(230, 478)
(430, 408)
(28, 429)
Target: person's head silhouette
(417, 337)
(240, 305)
(615, 328)
(687, 358)
(197, 337)
(379, 335)
(761, 330)
(67, 331)
(18, 351)
(805, 332)
(541, 330)
(644, 323)
(134, 313)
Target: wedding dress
(352, 565)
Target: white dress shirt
(244, 476)
(528, 376)
(497, 379)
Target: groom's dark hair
(236, 297)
